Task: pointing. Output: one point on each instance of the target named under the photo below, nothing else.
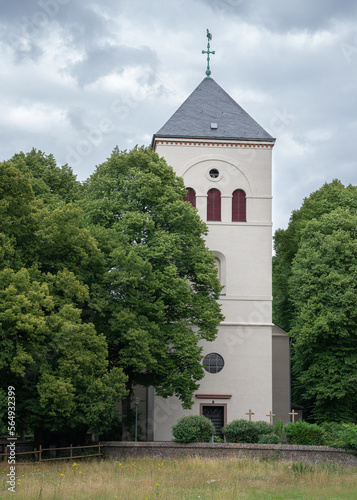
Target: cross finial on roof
(208, 52)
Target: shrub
(279, 428)
(340, 435)
(193, 429)
(263, 427)
(304, 433)
(269, 439)
(240, 431)
(243, 431)
(347, 436)
(332, 432)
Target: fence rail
(39, 457)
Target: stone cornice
(214, 143)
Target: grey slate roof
(207, 104)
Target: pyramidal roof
(210, 113)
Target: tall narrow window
(214, 204)
(218, 265)
(191, 196)
(239, 206)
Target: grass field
(187, 478)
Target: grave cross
(293, 413)
(250, 413)
(208, 52)
(271, 415)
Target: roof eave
(213, 138)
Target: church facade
(225, 159)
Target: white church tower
(225, 159)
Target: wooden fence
(38, 454)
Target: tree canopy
(104, 286)
(286, 241)
(323, 292)
(315, 280)
(55, 359)
(57, 363)
(52, 184)
(158, 296)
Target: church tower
(225, 159)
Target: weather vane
(208, 52)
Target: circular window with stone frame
(213, 362)
(213, 173)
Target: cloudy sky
(79, 77)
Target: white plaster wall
(245, 251)
(253, 163)
(246, 376)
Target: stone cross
(271, 415)
(208, 52)
(293, 413)
(250, 413)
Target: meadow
(187, 478)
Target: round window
(213, 362)
(214, 173)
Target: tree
(51, 352)
(56, 362)
(286, 241)
(158, 295)
(50, 183)
(322, 289)
(49, 237)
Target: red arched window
(214, 204)
(239, 206)
(191, 196)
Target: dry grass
(187, 478)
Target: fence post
(5, 458)
(71, 452)
(40, 454)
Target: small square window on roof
(213, 125)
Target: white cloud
(130, 64)
(35, 118)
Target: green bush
(279, 428)
(263, 427)
(193, 429)
(243, 431)
(332, 432)
(304, 433)
(340, 435)
(347, 436)
(269, 439)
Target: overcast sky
(79, 77)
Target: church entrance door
(216, 414)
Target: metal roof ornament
(208, 52)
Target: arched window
(220, 261)
(239, 206)
(191, 196)
(214, 204)
(218, 265)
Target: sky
(79, 77)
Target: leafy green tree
(286, 241)
(322, 289)
(57, 364)
(53, 184)
(50, 351)
(50, 238)
(157, 298)
(17, 210)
